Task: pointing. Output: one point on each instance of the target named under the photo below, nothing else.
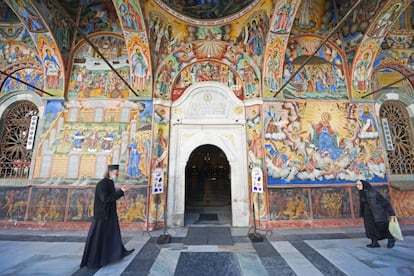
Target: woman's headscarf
(363, 192)
(365, 185)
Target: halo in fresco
(207, 9)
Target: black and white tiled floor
(212, 250)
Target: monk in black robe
(375, 209)
(104, 244)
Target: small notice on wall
(158, 181)
(257, 180)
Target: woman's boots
(391, 243)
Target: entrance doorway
(208, 116)
(207, 187)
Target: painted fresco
(133, 206)
(80, 204)
(61, 29)
(156, 210)
(53, 68)
(388, 58)
(163, 39)
(88, 138)
(385, 20)
(13, 203)
(338, 143)
(289, 204)
(93, 139)
(370, 45)
(403, 203)
(309, 15)
(160, 137)
(283, 19)
(253, 34)
(259, 203)
(130, 15)
(212, 9)
(141, 70)
(192, 63)
(98, 16)
(30, 76)
(138, 162)
(92, 78)
(30, 16)
(254, 137)
(15, 52)
(205, 71)
(323, 76)
(354, 27)
(7, 15)
(47, 205)
(331, 202)
(390, 75)
(52, 109)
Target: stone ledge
(402, 185)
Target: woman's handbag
(395, 230)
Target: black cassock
(104, 244)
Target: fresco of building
(285, 104)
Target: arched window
(16, 131)
(400, 152)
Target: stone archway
(210, 113)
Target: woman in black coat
(375, 209)
(104, 244)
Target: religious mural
(338, 143)
(30, 76)
(92, 77)
(212, 9)
(31, 18)
(80, 204)
(13, 203)
(255, 140)
(403, 203)
(322, 76)
(189, 65)
(91, 139)
(7, 15)
(331, 202)
(156, 210)
(131, 208)
(15, 52)
(47, 205)
(98, 16)
(130, 15)
(289, 204)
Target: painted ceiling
(347, 33)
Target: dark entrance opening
(207, 187)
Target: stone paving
(212, 250)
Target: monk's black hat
(113, 167)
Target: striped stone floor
(206, 249)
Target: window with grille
(398, 132)
(18, 125)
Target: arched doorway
(208, 113)
(207, 187)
